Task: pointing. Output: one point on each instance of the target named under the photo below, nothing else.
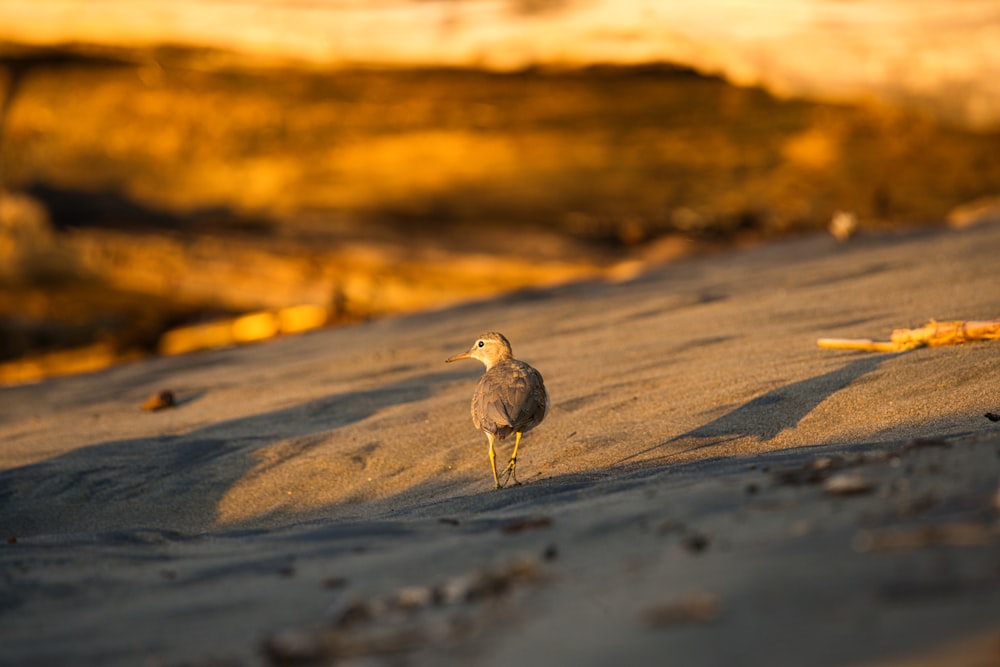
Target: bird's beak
(458, 357)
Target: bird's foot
(510, 474)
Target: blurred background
(180, 174)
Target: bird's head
(490, 348)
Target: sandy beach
(709, 487)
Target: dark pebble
(522, 525)
(159, 401)
(695, 542)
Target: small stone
(489, 584)
(695, 608)
(293, 647)
(522, 525)
(413, 597)
(159, 400)
(843, 225)
(847, 484)
(695, 542)
(454, 590)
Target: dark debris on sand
(410, 618)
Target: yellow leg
(493, 460)
(513, 460)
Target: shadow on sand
(185, 477)
(180, 479)
(765, 417)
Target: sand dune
(325, 496)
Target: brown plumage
(510, 397)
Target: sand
(709, 488)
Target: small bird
(510, 397)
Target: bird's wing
(509, 399)
(489, 410)
(528, 399)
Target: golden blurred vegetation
(171, 193)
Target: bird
(510, 397)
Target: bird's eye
(481, 343)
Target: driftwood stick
(930, 335)
(858, 344)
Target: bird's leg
(513, 461)
(493, 461)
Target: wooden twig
(931, 334)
